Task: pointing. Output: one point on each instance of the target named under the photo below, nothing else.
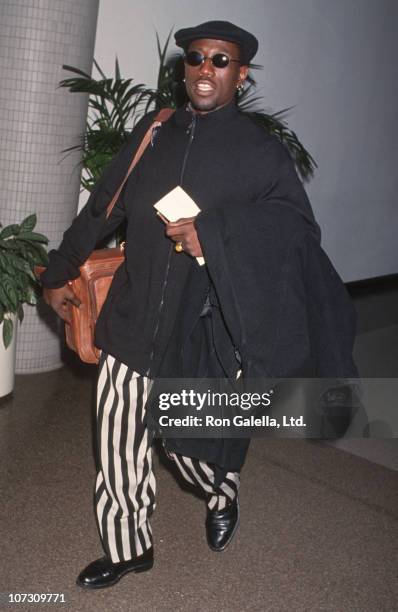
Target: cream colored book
(177, 204)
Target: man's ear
(243, 72)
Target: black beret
(220, 30)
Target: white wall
(335, 60)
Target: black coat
(231, 167)
(283, 306)
(285, 309)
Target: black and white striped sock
(201, 474)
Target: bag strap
(161, 117)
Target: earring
(183, 80)
(239, 87)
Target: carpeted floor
(318, 525)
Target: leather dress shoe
(221, 526)
(103, 573)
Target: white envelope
(177, 204)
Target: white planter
(7, 361)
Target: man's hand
(60, 300)
(184, 231)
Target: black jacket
(284, 307)
(226, 164)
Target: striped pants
(125, 484)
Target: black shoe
(221, 526)
(103, 573)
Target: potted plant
(21, 249)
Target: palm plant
(275, 123)
(113, 108)
(116, 104)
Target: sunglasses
(219, 60)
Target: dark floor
(318, 527)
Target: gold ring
(178, 247)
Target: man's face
(209, 87)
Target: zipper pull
(189, 128)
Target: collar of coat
(184, 115)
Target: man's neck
(196, 111)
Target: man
(247, 311)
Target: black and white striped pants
(125, 486)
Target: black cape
(284, 308)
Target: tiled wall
(37, 121)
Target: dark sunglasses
(219, 60)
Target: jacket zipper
(191, 132)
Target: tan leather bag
(91, 288)
(96, 274)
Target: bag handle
(161, 117)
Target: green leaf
(99, 69)
(42, 256)
(36, 237)
(7, 245)
(34, 253)
(117, 70)
(75, 70)
(9, 290)
(3, 262)
(31, 297)
(29, 223)
(22, 283)
(9, 230)
(18, 263)
(7, 332)
(5, 300)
